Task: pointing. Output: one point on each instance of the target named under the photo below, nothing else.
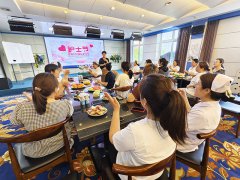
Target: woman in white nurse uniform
(205, 116)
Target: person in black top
(109, 78)
(163, 69)
(103, 60)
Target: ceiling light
(100, 17)
(168, 3)
(126, 22)
(113, 8)
(65, 11)
(51, 29)
(142, 15)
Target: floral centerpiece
(39, 60)
(116, 58)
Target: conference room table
(89, 127)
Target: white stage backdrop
(70, 51)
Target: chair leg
(203, 172)
(238, 127)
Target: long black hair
(126, 67)
(44, 84)
(166, 105)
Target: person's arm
(115, 123)
(102, 83)
(28, 96)
(184, 96)
(16, 115)
(94, 74)
(61, 87)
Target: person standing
(103, 60)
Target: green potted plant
(116, 58)
(39, 60)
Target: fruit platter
(77, 86)
(97, 111)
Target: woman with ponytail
(123, 80)
(218, 66)
(41, 112)
(205, 116)
(153, 138)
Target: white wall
(151, 48)
(38, 47)
(227, 46)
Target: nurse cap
(222, 84)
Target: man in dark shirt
(109, 78)
(103, 60)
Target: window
(168, 45)
(137, 49)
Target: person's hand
(113, 101)
(27, 95)
(66, 72)
(98, 81)
(65, 82)
(186, 71)
(182, 92)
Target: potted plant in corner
(39, 60)
(116, 58)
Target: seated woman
(153, 138)
(218, 66)
(163, 69)
(109, 78)
(124, 80)
(148, 61)
(174, 67)
(96, 72)
(202, 68)
(204, 116)
(148, 69)
(43, 111)
(63, 82)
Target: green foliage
(116, 58)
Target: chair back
(149, 169)
(207, 137)
(37, 135)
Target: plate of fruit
(97, 111)
(94, 88)
(86, 82)
(77, 86)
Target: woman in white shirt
(174, 67)
(123, 80)
(153, 138)
(192, 70)
(204, 116)
(202, 68)
(218, 66)
(96, 72)
(136, 70)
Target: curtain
(128, 51)
(209, 40)
(182, 47)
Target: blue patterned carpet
(224, 161)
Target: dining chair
(198, 159)
(149, 169)
(103, 167)
(26, 167)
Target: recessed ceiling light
(65, 11)
(168, 3)
(100, 17)
(126, 22)
(113, 8)
(51, 29)
(142, 15)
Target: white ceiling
(129, 15)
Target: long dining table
(89, 127)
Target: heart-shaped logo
(91, 45)
(62, 48)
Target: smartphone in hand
(138, 109)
